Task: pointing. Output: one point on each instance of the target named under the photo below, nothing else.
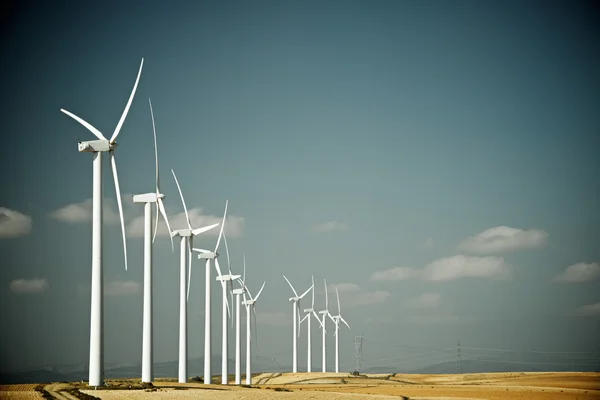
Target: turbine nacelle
(206, 254)
(239, 291)
(248, 302)
(182, 233)
(324, 312)
(228, 278)
(94, 146)
(147, 197)
(309, 310)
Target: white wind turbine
(210, 255)
(224, 343)
(296, 306)
(250, 304)
(336, 319)
(238, 356)
(147, 199)
(310, 311)
(97, 147)
(325, 313)
(187, 241)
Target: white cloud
(122, 288)
(345, 287)
(589, 310)
(330, 226)
(378, 319)
(273, 318)
(460, 266)
(504, 239)
(450, 268)
(394, 274)
(13, 223)
(234, 225)
(427, 244)
(78, 213)
(424, 300)
(432, 319)
(35, 285)
(352, 294)
(579, 273)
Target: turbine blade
(331, 318)
(231, 300)
(318, 319)
(203, 229)
(190, 241)
(89, 126)
(156, 165)
(298, 315)
(118, 190)
(244, 275)
(290, 285)
(218, 267)
(182, 200)
(338, 300)
(126, 110)
(326, 299)
(344, 321)
(248, 291)
(313, 292)
(227, 253)
(156, 221)
(260, 291)
(255, 327)
(308, 290)
(222, 226)
(163, 211)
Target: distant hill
(169, 369)
(482, 365)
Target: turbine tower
(325, 313)
(185, 249)
(224, 343)
(238, 356)
(210, 255)
(250, 304)
(296, 312)
(336, 320)
(147, 199)
(97, 147)
(310, 311)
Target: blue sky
(404, 130)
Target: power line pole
(459, 363)
(358, 359)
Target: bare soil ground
(19, 392)
(329, 386)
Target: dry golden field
(23, 391)
(329, 386)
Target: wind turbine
(325, 313)
(250, 304)
(238, 357)
(185, 248)
(336, 319)
(97, 147)
(225, 349)
(310, 311)
(210, 255)
(147, 199)
(295, 304)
